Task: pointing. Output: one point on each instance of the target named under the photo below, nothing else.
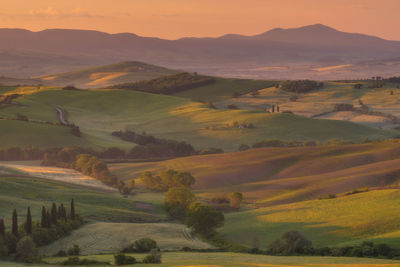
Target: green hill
(100, 112)
(104, 76)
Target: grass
(270, 176)
(331, 222)
(102, 238)
(104, 76)
(21, 193)
(191, 259)
(223, 88)
(168, 117)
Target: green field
(186, 259)
(102, 237)
(329, 222)
(21, 193)
(223, 89)
(100, 112)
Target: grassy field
(323, 100)
(102, 238)
(329, 222)
(103, 76)
(20, 193)
(281, 175)
(169, 117)
(223, 89)
(190, 259)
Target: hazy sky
(178, 18)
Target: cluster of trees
(169, 84)
(301, 86)
(17, 153)
(182, 205)
(140, 246)
(20, 242)
(233, 202)
(279, 143)
(152, 147)
(76, 158)
(166, 180)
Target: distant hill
(259, 56)
(124, 72)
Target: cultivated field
(327, 222)
(100, 237)
(280, 175)
(97, 115)
(321, 101)
(190, 259)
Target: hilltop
(103, 76)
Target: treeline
(301, 86)
(169, 84)
(88, 164)
(19, 244)
(166, 179)
(152, 147)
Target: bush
(302, 86)
(244, 147)
(74, 250)
(154, 257)
(232, 106)
(145, 245)
(26, 250)
(122, 259)
(61, 253)
(291, 242)
(211, 150)
(75, 261)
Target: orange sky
(172, 19)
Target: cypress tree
(2, 228)
(48, 219)
(15, 223)
(72, 215)
(54, 213)
(43, 221)
(28, 224)
(63, 214)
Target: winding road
(61, 116)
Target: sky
(173, 19)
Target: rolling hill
(60, 50)
(271, 176)
(100, 112)
(103, 76)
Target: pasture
(104, 237)
(98, 115)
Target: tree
(236, 199)
(54, 214)
(177, 200)
(244, 147)
(204, 219)
(28, 224)
(2, 229)
(72, 213)
(145, 245)
(291, 242)
(26, 249)
(44, 220)
(15, 223)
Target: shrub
(211, 150)
(302, 86)
(153, 257)
(232, 106)
(244, 147)
(61, 253)
(343, 107)
(291, 242)
(145, 245)
(122, 259)
(75, 261)
(74, 250)
(26, 249)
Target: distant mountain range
(315, 51)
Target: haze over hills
(278, 53)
